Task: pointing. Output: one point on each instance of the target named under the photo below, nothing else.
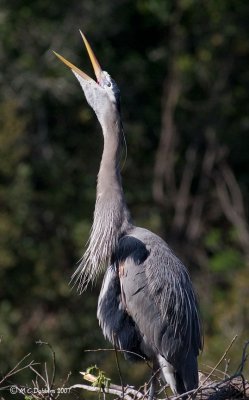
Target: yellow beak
(94, 61)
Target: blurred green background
(182, 68)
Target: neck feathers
(111, 216)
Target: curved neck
(111, 215)
(110, 195)
(109, 173)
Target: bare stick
(216, 366)
(117, 391)
(38, 374)
(244, 358)
(53, 360)
(122, 351)
(64, 383)
(15, 370)
(119, 371)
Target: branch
(195, 223)
(164, 169)
(53, 362)
(182, 199)
(16, 369)
(123, 393)
(243, 359)
(217, 365)
(231, 201)
(123, 351)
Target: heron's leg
(153, 382)
(151, 395)
(168, 373)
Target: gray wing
(158, 295)
(118, 327)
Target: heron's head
(102, 95)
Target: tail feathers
(187, 377)
(190, 372)
(180, 387)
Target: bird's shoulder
(142, 244)
(132, 247)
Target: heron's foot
(151, 394)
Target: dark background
(182, 68)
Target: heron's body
(147, 306)
(140, 311)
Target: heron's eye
(108, 82)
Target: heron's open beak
(94, 61)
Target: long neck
(111, 215)
(109, 173)
(111, 210)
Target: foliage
(102, 382)
(182, 67)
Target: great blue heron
(147, 306)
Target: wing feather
(118, 327)
(159, 297)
